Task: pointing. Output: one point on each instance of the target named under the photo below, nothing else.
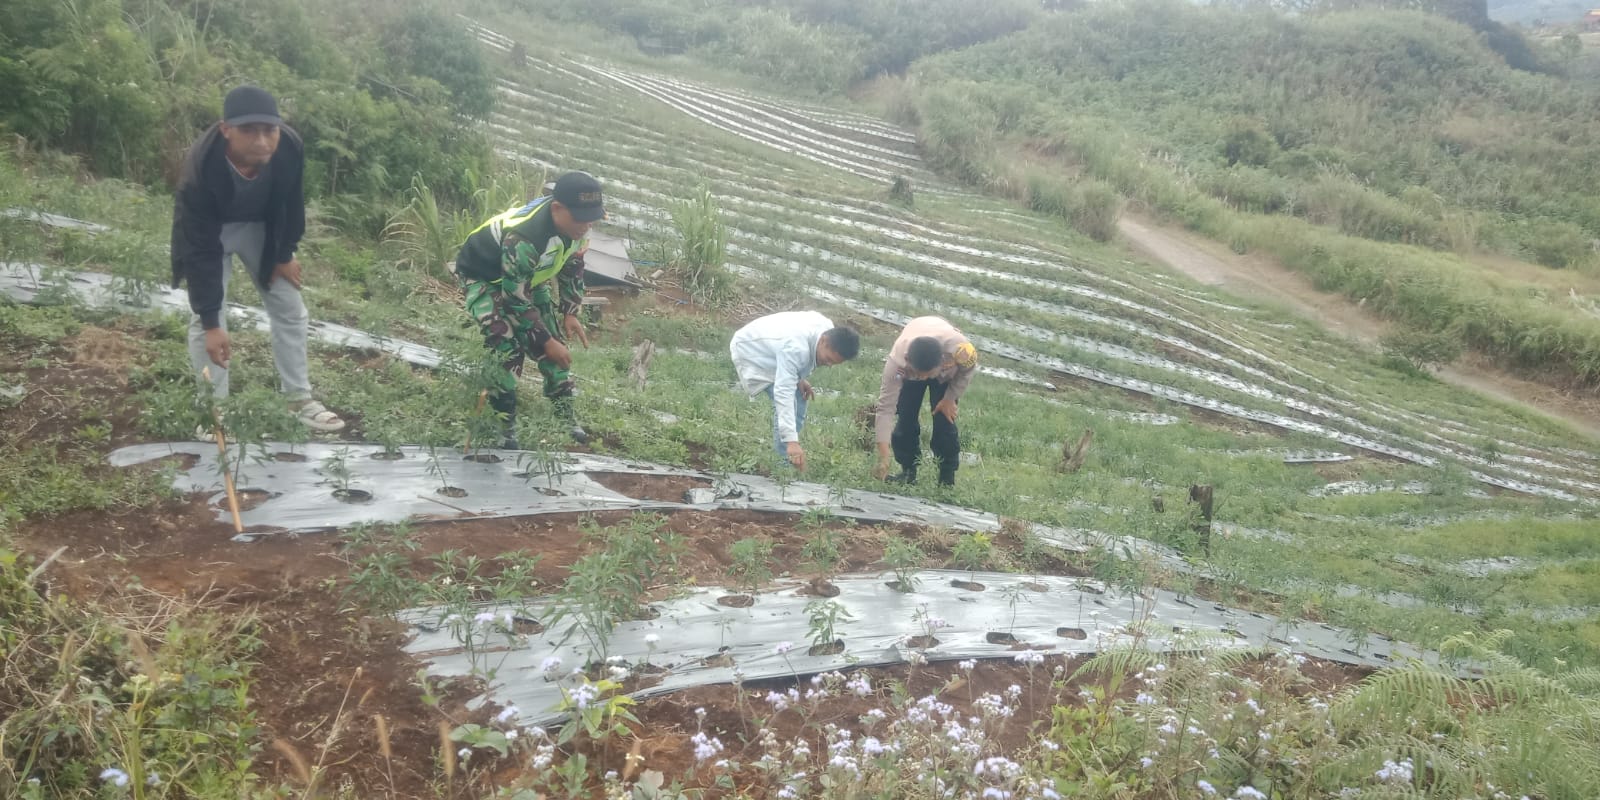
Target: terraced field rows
(1022, 295)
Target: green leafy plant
(974, 551)
(821, 550)
(702, 249)
(823, 619)
(752, 558)
(337, 467)
(904, 557)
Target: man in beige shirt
(931, 357)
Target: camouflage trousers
(508, 324)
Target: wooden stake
(222, 454)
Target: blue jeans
(779, 446)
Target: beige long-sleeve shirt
(960, 363)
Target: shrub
(1422, 350)
(1559, 244)
(1248, 142)
(1088, 205)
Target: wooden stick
(222, 454)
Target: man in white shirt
(775, 354)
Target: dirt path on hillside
(1263, 278)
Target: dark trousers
(906, 441)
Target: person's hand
(797, 456)
(557, 353)
(947, 407)
(289, 271)
(806, 392)
(218, 347)
(574, 328)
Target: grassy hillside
(147, 655)
(1374, 151)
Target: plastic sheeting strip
(701, 642)
(29, 283)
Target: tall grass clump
(702, 247)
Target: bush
(770, 44)
(1088, 205)
(129, 84)
(1422, 350)
(1250, 189)
(1247, 142)
(1559, 244)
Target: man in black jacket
(240, 194)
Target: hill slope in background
(1258, 105)
(1534, 12)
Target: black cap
(580, 193)
(248, 104)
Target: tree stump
(1201, 494)
(1072, 456)
(639, 371)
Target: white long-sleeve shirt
(779, 350)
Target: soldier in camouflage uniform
(522, 274)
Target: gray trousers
(286, 312)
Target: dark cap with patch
(580, 193)
(248, 104)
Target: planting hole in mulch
(819, 587)
(394, 456)
(971, 586)
(659, 488)
(832, 648)
(522, 626)
(451, 491)
(1066, 632)
(736, 601)
(1035, 587)
(182, 461)
(484, 458)
(900, 587)
(1234, 632)
(352, 495)
(549, 492)
(922, 642)
(1000, 637)
(291, 458)
(250, 498)
(722, 660)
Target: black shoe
(578, 434)
(905, 477)
(510, 443)
(947, 479)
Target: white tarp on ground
(608, 260)
(699, 641)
